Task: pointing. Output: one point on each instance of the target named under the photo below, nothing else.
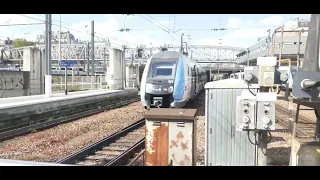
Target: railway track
(305, 127)
(13, 131)
(115, 150)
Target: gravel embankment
(279, 149)
(199, 103)
(54, 143)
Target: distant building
(296, 24)
(66, 38)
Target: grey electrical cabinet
(224, 146)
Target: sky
(242, 30)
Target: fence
(78, 83)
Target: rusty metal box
(170, 137)
(224, 146)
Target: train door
(197, 80)
(193, 84)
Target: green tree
(21, 43)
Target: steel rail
(45, 124)
(83, 153)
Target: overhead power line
(90, 34)
(21, 24)
(158, 22)
(200, 29)
(84, 32)
(161, 26)
(154, 23)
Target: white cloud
(238, 38)
(164, 22)
(233, 23)
(6, 31)
(243, 37)
(108, 29)
(272, 21)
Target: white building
(66, 38)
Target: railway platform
(20, 114)
(12, 102)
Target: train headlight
(148, 87)
(170, 81)
(170, 89)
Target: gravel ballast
(54, 143)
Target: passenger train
(239, 75)
(170, 80)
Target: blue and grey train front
(161, 81)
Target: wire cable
(158, 22)
(65, 27)
(153, 23)
(250, 90)
(253, 143)
(23, 24)
(164, 29)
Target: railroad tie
(108, 153)
(122, 144)
(127, 141)
(87, 163)
(115, 148)
(99, 157)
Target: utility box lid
(229, 84)
(171, 113)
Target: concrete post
(33, 62)
(129, 73)
(114, 72)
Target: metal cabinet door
(156, 143)
(224, 145)
(180, 143)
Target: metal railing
(78, 83)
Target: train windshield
(162, 70)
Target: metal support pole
(268, 42)
(88, 59)
(218, 64)
(104, 60)
(181, 50)
(66, 80)
(48, 44)
(65, 74)
(262, 149)
(122, 60)
(248, 63)
(60, 43)
(48, 89)
(132, 59)
(92, 46)
(92, 54)
(210, 75)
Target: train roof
(167, 54)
